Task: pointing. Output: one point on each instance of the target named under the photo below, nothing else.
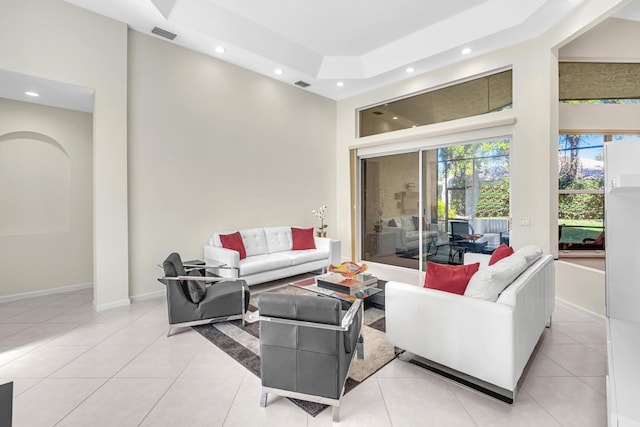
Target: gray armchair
(193, 299)
(307, 344)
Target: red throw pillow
(501, 252)
(302, 238)
(234, 242)
(449, 278)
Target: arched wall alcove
(35, 186)
(46, 198)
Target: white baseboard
(576, 308)
(43, 292)
(148, 295)
(114, 304)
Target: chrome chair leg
(336, 414)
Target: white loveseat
(486, 340)
(270, 255)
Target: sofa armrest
(333, 246)
(228, 257)
(322, 243)
(399, 235)
(466, 334)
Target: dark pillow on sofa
(196, 290)
(416, 223)
(501, 252)
(234, 242)
(449, 278)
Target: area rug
(243, 344)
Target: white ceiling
(364, 44)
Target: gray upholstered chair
(193, 299)
(307, 344)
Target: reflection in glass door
(411, 201)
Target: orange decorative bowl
(348, 269)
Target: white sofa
(270, 255)
(486, 340)
(407, 235)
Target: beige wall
(58, 41)
(214, 147)
(46, 234)
(581, 286)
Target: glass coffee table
(365, 293)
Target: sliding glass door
(434, 204)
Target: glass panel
(471, 98)
(473, 197)
(581, 162)
(464, 184)
(389, 204)
(581, 190)
(581, 223)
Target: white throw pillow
(488, 283)
(530, 252)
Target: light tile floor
(72, 366)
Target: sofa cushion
(261, 263)
(531, 253)
(302, 238)
(449, 278)
(255, 242)
(278, 239)
(301, 257)
(234, 242)
(488, 283)
(501, 252)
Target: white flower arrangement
(321, 213)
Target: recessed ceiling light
(414, 126)
(221, 49)
(340, 84)
(395, 117)
(466, 51)
(31, 93)
(410, 70)
(279, 71)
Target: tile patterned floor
(72, 366)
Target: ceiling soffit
(485, 18)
